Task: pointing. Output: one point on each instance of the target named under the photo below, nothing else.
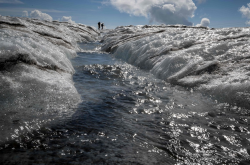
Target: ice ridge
(36, 72)
(214, 61)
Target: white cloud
(39, 15)
(245, 11)
(11, 1)
(161, 11)
(201, 1)
(67, 19)
(248, 22)
(204, 22)
(18, 10)
(25, 14)
(52, 11)
(169, 7)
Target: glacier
(212, 61)
(66, 93)
(36, 72)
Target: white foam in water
(36, 72)
(212, 60)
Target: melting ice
(36, 72)
(214, 61)
(159, 110)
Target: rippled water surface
(127, 116)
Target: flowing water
(127, 116)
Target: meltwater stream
(127, 116)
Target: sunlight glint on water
(127, 116)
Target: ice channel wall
(214, 61)
(36, 72)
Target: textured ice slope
(215, 61)
(36, 72)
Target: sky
(113, 13)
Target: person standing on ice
(102, 25)
(99, 25)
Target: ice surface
(36, 72)
(214, 61)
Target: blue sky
(221, 13)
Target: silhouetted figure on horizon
(102, 25)
(99, 25)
